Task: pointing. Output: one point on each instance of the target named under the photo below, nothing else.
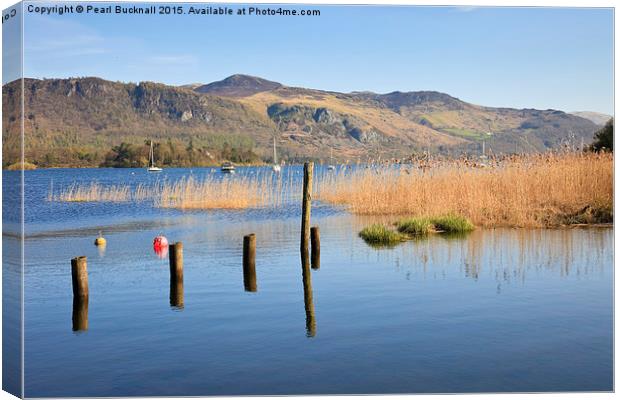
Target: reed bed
(93, 192)
(541, 190)
(210, 192)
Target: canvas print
(207, 199)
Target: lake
(497, 310)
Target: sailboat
(275, 167)
(152, 167)
(331, 166)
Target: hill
(597, 118)
(75, 122)
(238, 86)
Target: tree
(604, 137)
(124, 155)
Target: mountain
(76, 121)
(238, 86)
(597, 118)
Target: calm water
(498, 310)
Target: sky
(559, 58)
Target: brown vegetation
(526, 191)
(210, 193)
(542, 190)
(230, 192)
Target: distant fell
(596, 117)
(238, 85)
(76, 121)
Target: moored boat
(227, 167)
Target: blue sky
(513, 57)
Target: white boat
(331, 166)
(227, 167)
(275, 167)
(152, 167)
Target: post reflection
(80, 314)
(308, 301)
(176, 292)
(249, 279)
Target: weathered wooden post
(315, 240)
(249, 262)
(80, 314)
(175, 254)
(79, 277)
(305, 207)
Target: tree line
(175, 154)
(168, 153)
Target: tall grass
(94, 192)
(526, 191)
(210, 192)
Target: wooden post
(306, 206)
(80, 314)
(176, 260)
(79, 277)
(175, 254)
(315, 239)
(249, 262)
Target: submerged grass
(420, 226)
(417, 226)
(378, 234)
(452, 224)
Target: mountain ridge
(87, 113)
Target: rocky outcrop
(316, 121)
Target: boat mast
(275, 156)
(151, 156)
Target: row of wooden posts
(79, 269)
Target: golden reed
(231, 192)
(521, 191)
(540, 190)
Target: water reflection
(308, 301)
(508, 256)
(80, 314)
(101, 250)
(176, 292)
(161, 251)
(249, 278)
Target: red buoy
(160, 246)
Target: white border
(481, 3)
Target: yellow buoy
(100, 241)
